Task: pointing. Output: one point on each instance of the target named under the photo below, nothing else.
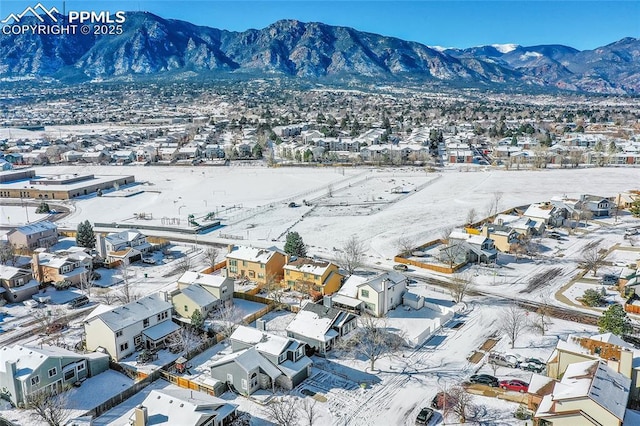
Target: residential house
(97, 157)
(311, 275)
(25, 370)
(618, 354)
(124, 156)
(193, 298)
(71, 156)
(142, 324)
(259, 265)
(521, 224)
(595, 205)
(589, 393)
(260, 360)
(35, 235)
(378, 294)
(5, 165)
(18, 284)
(320, 326)
(72, 267)
(473, 248)
(548, 213)
(220, 287)
(177, 406)
(126, 245)
(503, 236)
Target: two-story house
(28, 369)
(256, 264)
(549, 213)
(61, 266)
(176, 406)
(35, 235)
(306, 275)
(320, 326)
(503, 236)
(597, 206)
(201, 292)
(589, 393)
(262, 361)
(18, 284)
(128, 245)
(142, 324)
(378, 294)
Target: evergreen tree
(635, 208)
(85, 236)
(197, 320)
(43, 208)
(615, 320)
(294, 246)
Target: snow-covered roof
(593, 380)
(309, 266)
(199, 295)
(131, 313)
(175, 406)
(126, 236)
(391, 278)
(8, 272)
(350, 286)
(160, 331)
(309, 324)
(191, 277)
(253, 254)
(263, 342)
(249, 359)
(37, 227)
(29, 358)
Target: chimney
(326, 301)
(230, 248)
(261, 324)
(35, 267)
(140, 416)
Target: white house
(128, 244)
(379, 294)
(142, 324)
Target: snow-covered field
(253, 204)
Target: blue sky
(580, 24)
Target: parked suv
(401, 267)
(503, 360)
(78, 302)
(484, 379)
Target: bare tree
(49, 405)
(471, 216)
(352, 256)
(184, 340)
(405, 244)
(274, 290)
(126, 293)
(87, 279)
(8, 253)
(283, 411)
(453, 253)
(461, 403)
(460, 286)
(184, 264)
(226, 320)
(211, 255)
(308, 411)
(593, 258)
(372, 340)
(108, 297)
(541, 323)
(513, 323)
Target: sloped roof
(249, 359)
(34, 228)
(29, 358)
(191, 277)
(126, 236)
(131, 313)
(391, 278)
(253, 254)
(199, 295)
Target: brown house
(18, 284)
(256, 264)
(55, 267)
(35, 235)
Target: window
(186, 308)
(282, 358)
(364, 293)
(262, 266)
(244, 263)
(69, 374)
(137, 340)
(233, 262)
(260, 275)
(162, 315)
(119, 333)
(244, 384)
(252, 274)
(145, 322)
(35, 380)
(52, 372)
(81, 366)
(124, 346)
(233, 269)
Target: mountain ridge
(152, 45)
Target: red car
(514, 385)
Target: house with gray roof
(262, 360)
(16, 284)
(28, 369)
(377, 295)
(320, 326)
(129, 244)
(34, 235)
(120, 331)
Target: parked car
(484, 379)
(514, 385)
(424, 416)
(78, 302)
(54, 327)
(149, 259)
(438, 402)
(532, 366)
(401, 267)
(503, 360)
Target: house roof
(199, 295)
(311, 325)
(8, 272)
(131, 313)
(392, 279)
(160, 331)
(253, 254)
(593, 380)
(37, 227)
(307, 265)
(350, 286)
(29, 358)
(176, 406)
(191, 277)
(263, 342)
(126, 236)
(249, 359)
